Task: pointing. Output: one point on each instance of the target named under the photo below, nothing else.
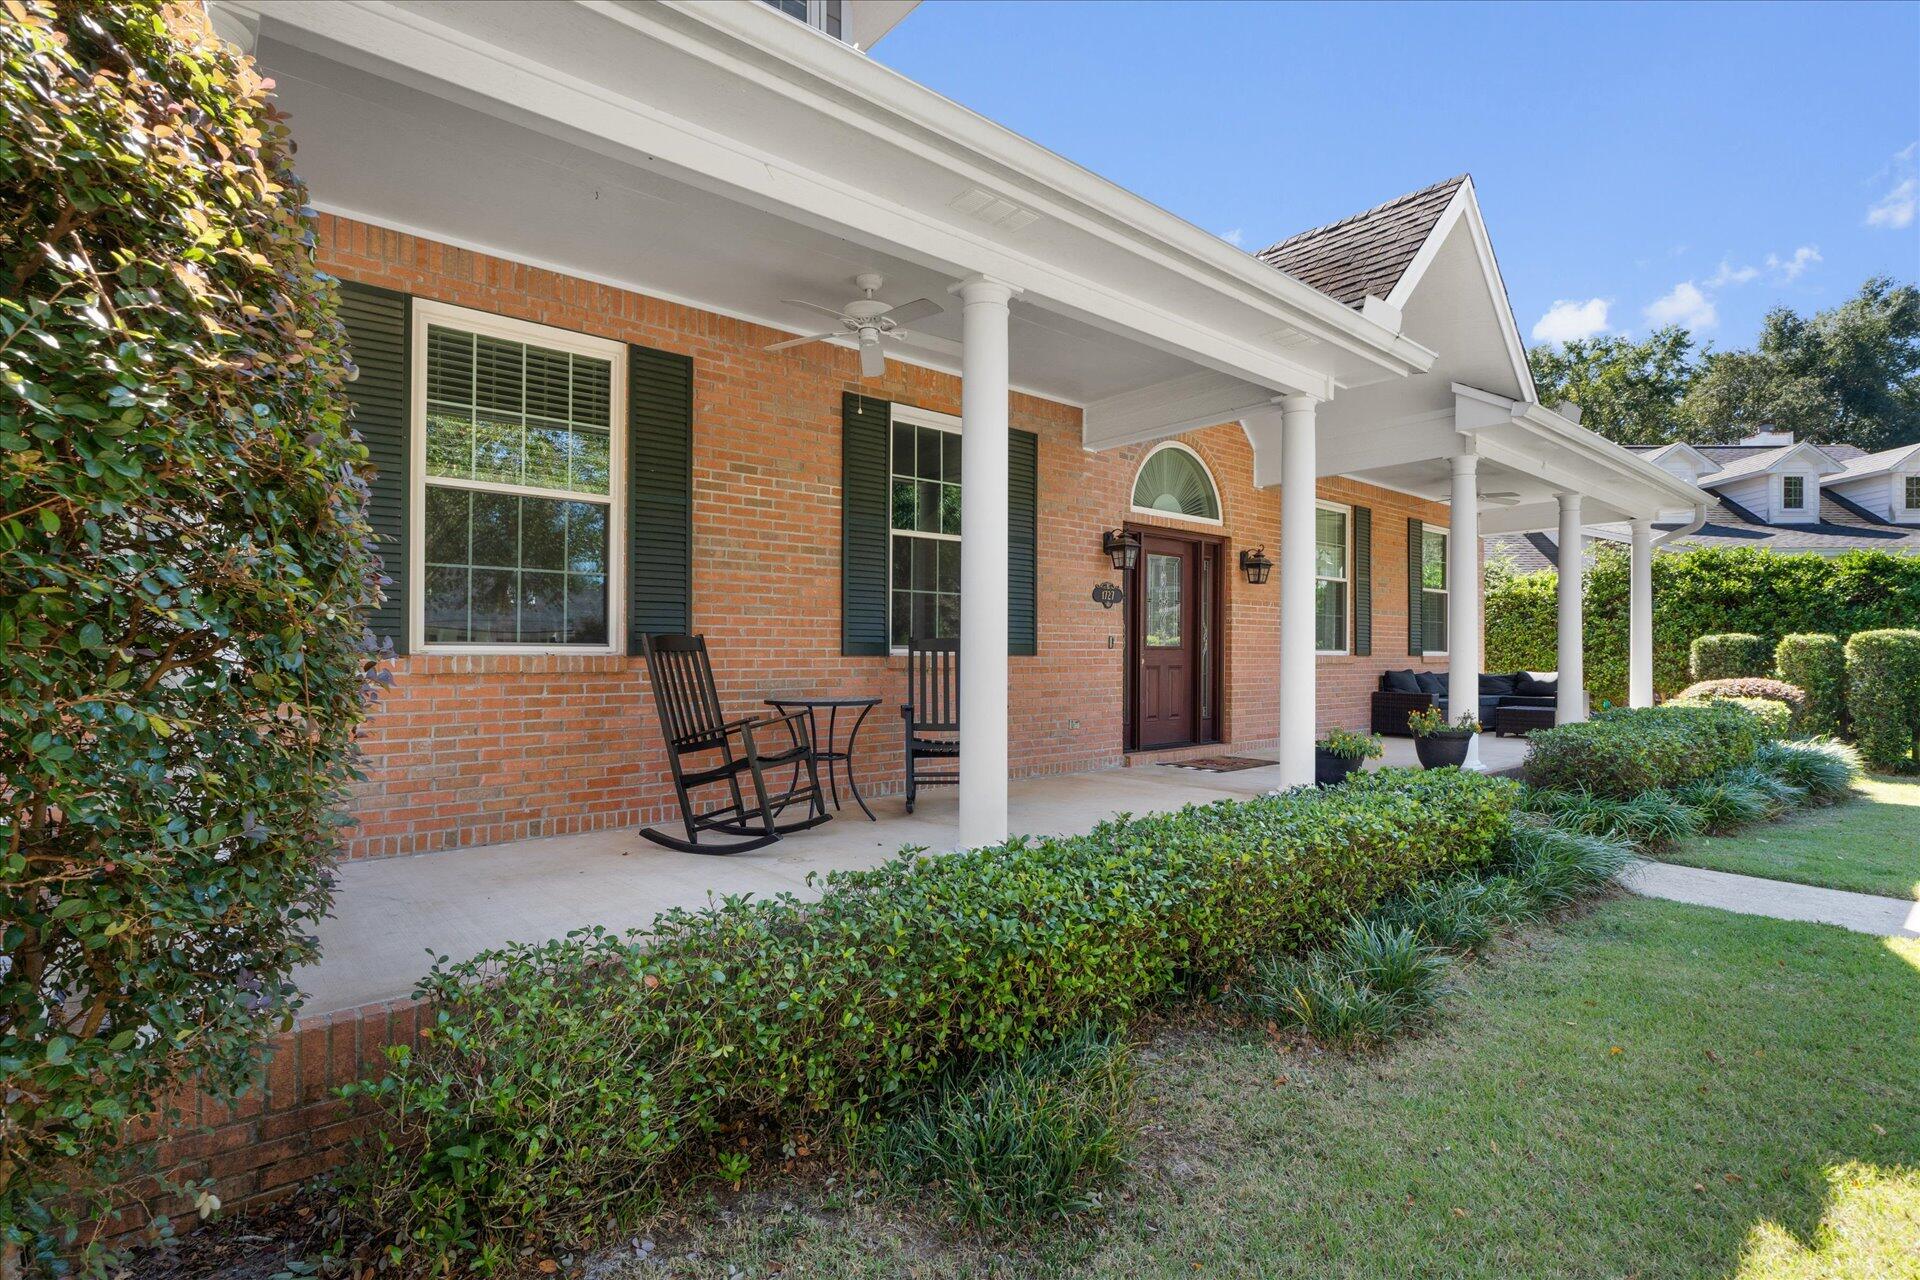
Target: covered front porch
(393, 914)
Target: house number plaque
(1107, 595)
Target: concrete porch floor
(391, 915)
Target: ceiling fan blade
(1505, 499)
(813, 306)
(873, 361)
(918, 309)
(800, 342)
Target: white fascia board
(1635, 483)
(1466, 205)
(1423, 438)
(1167, 409)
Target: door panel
(1166, 642)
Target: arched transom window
(1173, 481)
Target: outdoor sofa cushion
(1432, 683)
(1497, 686)
(1538, 684)
(1399, 681)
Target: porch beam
(1298, 662)
(1463, 596)
(1429, 437)
(1640, 616)
(983, 569)
(1571, 706)
(1201, 399)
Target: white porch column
(1640, 616)
(1572, 706)
(1463, 598)
(983, 562)
(1297, 661)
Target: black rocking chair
(932, 713)
(693, 725)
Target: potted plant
(1437, 743)
(1340, 753)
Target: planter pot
(1331, 770)
(1440, 750)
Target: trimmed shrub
(1774, 719)
(1014, 1140)
(1883, 697)
(185, 568)
(563, 1078)
(1695, 593)
(1729, 655)
(1824, 770)
(1817, 664)
(1620, 753)
(1747, 687)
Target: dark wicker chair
(932, 714)
(704, 748)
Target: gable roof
(1874, 464)
(1365, 254)
(1763, 460)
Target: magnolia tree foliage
(184, 573)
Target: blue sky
(1635, 163)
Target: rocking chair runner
(932, 713)
(693, 726)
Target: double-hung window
(1433, 591)
(1912, 489)
(1330, 578)
(1793, 492)
(518, 497)
(924, 555)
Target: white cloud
(1894, 210)
(1232, 237)
(1567, 321)
(1793, 268)
(1729, 274)
(1685, 306)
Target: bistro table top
(820, 700)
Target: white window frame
(1346, 582)
(1214, 522)
(426, 312)
(1784, 506)
(916, 416)
(1904, 487)
(1446, 569)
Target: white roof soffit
(748, 104)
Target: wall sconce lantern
(1256, 566)
(1122, 547)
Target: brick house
(583, 248)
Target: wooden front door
(1172, 642)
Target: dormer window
(1913, 495)
(1793, 493)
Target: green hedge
(563, 1078)
(1696, 593)
(1620, 753)
(1729, 655)
(1817, 664)
(1883, 697)
(1774, 714)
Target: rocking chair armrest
(752, 724)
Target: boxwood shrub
(1729, 655)
(1775, 715)
(563, 1079)
(1883, 697)
(1817, 664)
(1620, 753)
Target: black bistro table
(823, 748)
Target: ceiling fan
(1503, 499)
(867, 320)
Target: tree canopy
(1627, 391)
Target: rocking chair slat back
(933, 685)
(683, 684)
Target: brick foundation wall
(467, 750)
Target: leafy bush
(1883, 697)
(1743, 687)
(1729, 655)
(1012, 1140)
(1696, 593)
(184, 570)
(563, 1076)
(1620, 753)
(1817, 664)
(1773, 719)
(1824, 770)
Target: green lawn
(1869, 845)
(1653, 1089)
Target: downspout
(1690, 527)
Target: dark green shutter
(866, 425)
(659, 494)
(1023, 518)
(379, 330)
(1362, 581)
(1416, 532)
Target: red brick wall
(478, 749)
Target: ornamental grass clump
(564, 1080)
(1825, 770)
(185, 570)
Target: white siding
(1875, 493)
(1752, 493)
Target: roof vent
(992, 209)
(1769, 439)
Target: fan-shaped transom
(1173, 480)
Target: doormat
(1223, 764)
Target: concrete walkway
(1754, 896)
